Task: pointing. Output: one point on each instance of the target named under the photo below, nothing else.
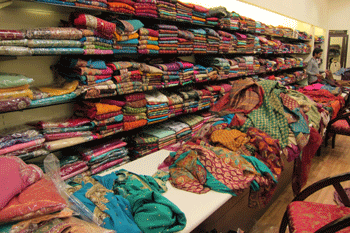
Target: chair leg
(333, 141)
(284, 223)
(326, 139)
(318, 152)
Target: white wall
(339, 18)
(314, 12)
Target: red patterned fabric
(307, 217)
(341, 127)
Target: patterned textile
(57, 33)
(302, 164)
(270, 116)
(110, 210)
(146, 201)
(37, 199)
(267, 150)
(134, 124)
(231, 139)
(88, 21)
(13, 104)
(297, 120)
(340, 127)
(199, 168)
(15, 176)
(11, 35)
(245, 96)
(309, 217)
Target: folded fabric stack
(299, 61)
(222, 66)
(241, 42)
(94, 76)
(90, 42)
(231, 23)
(191, 100)
(216, 92)
(13, 43)
(143, 144)
(157, 107)
(106, 115)
(206, 116)
(184, 12)
(14, 92)
(96, 28)
(121, 6)
(234, 69)
(250, 25)
(165, 136)
(182, 131)
(258, 27)
(242, 66)
(71, 166)
(194, 121)
(201, 73)
(212, 21)
(185, 45)
(168, 38)
(257, 45)
(134, 111)
(213, 40)
(265, 45)
(126, 36)
(146, 8)
(148, 41)
(104, 156)
(152, 77)
(200, 40)
(205, 99)
(24, 142)
(166, 9)
(186, 72)
(225, 41)
(175, 103)
(128, 77)
(170, 74)
(199, 14)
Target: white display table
(197, 207)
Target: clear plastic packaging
(52, 169)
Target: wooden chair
(339, 125)
(303, 216)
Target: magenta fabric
(57, 136)
(22, 146)
(107, 165)
(63, 123)
(101, 149)
(71, 168)
(15, 176)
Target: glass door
(337, 50)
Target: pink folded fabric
(58, 136)
(107, 165)
(22, 146)
(15, 176)
(63, 123)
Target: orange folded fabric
(134, 124)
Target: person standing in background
(312, 69)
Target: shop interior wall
(339, 19)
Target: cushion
(15, 176)
(341, 127)
(308, 216)
(36, 200)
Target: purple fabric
(14, 104)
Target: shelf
(195, 83)
(148, 20)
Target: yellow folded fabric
(15, 94)
(11, 89)
(65, 88)
(125, 37)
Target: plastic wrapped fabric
(15, 176)
(11, 35)
(36, 200)
(53, 43)
(54, 99)
(8, 80)
(56, 51)
(13, 104)
(63, 143)
(15, 51)
(14, 94)
(58, 33)
(23, 43)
